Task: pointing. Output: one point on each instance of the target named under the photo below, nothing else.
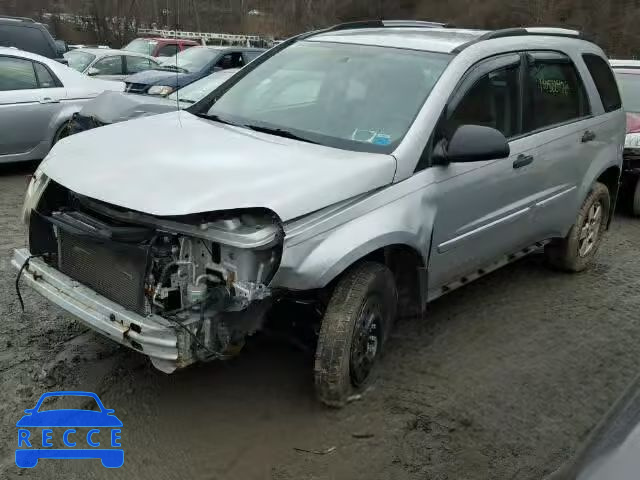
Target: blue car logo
(68, 425)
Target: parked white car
(109, 64)
(38, 97)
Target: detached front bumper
(151, 335)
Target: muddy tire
(635, 199)
(354, 330)
(575, 252)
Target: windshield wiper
(216, 118)
(279, 132)
(172, 68)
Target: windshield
(629, 84)
(354, 97)
(191, 60)
(196, 91)
(79, 60)
(141, 45)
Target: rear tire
(354, 330)
(575, 252)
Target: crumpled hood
(163, 77)
(114, 107)
(178, 164)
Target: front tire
(354, 330)
(575, 252)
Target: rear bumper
(151, 335)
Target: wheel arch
(611, 179)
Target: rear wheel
(574, 252)
(354, 329)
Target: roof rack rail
(524, 31)
(385, 24)
(17, 19)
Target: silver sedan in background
(109, 64)
(38, 96)
(115, 107)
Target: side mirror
(61, 47)
(471, 143)
(93, 71)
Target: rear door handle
(588, 136)
(522, 161)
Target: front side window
(604, 80)
(108, 66)
(491, 102)
(355, 97)
(79, 60)
(554, 92)
(17, 74)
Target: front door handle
(522, 161)
(588, 136)
(49, 100)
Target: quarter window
(492, 101)
(45, 78)
(554, 92)
(17, 74)
(605, 83)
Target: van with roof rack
(356, 173)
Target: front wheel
(354, 329)
(574, 252)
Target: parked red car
(159, 47)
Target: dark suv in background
(30, 36)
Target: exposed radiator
(114, 270)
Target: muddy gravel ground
(502, 381)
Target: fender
(63, 115)
(314, 262)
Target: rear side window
(554, 92)
(17, 74)
(168, 50)
(604, 80)
(28, 39)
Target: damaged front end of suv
(179, 289)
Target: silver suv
(358, 172)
